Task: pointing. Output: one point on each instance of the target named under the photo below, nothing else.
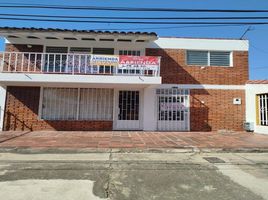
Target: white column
(2, 105)
(149, 111)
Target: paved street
(116, 176)
(132, 139)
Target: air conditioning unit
(249, 126)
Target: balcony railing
(83, 64)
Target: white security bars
(59, 103)
(96, 104)
(129, 105)
(263, 109)
(77, 104)
(80, 63)
(173, 109)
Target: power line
(174, 27)
(258, 49)
(64, 7)
(257, 68)
(130, 22)
(140, 18)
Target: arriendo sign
(139, 61)
(115, 60)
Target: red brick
(21, 113)
(174, 69)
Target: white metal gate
(128, 110)
(263, 109)
(173, 109)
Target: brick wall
(175, 71)
(23, 48)
(210, 110)
(21, 113)
(28, 61)
(218, 111)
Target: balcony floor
(30, 79)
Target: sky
(257, 36)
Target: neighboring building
(54, 79)
(257, 105)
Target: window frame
(208, 57)
(136, 52)
(77, 117)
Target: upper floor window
(209, 58)
(129, 52)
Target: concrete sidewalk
(133, 140)
(120, 176)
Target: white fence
(67, 63)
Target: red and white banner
(149, 62)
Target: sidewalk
(133, 140)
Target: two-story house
(58, 79)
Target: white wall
(251, 91)
(24, 79)
(149, 111)
(149, 100)
(2, 105)
(200, 44)
(161, 42)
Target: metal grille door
(173, 109)
(128, 110)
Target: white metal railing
(67, 63)
(263, 109)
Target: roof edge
(6, 28)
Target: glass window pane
(197, 57)
(219, 58)
(96, 104)
(59, 103)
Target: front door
(127, 112)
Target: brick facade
(21, 113)
(23, 48)
(174, 69)
(214, 110)
(209, 109)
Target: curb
(130, 150)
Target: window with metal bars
(130, 52)
(56, 61)
(77, 104)
(81, 50)
(96, 104)
(168, 108)
(103, 51)
(263, 109)
(171, 104)
(209, 58)
(129, 105)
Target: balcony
(83, 64)
(57, 67)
